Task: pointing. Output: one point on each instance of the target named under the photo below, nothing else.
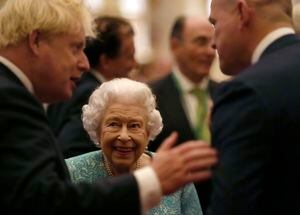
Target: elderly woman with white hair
(121, 118)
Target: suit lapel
(175, 113)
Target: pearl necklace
(108, 166)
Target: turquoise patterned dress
(90, 167)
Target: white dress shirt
(189, 101)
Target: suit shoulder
(159, 84)
(87, 84)
(80, 96)
(16, 94)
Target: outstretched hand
(188, 162)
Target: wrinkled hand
(188, 162)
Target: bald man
(255, 120)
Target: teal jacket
(90, 167)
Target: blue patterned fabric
(89, 167)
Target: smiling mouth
(206, 62)
(124, 150)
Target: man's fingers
(199, 176)
(204, 163)
(198, 153)
(168, 142)
(190, 146)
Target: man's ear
(174, 44)
(104, 61)
(34, 38)
(245, 13)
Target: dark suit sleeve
(240, 130)
(33, 176)
(72, 137)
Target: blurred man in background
(184, 96)
(111, 55)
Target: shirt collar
(98, 75)
(268, 39)
(20, 75)
(185, 84)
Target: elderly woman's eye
(113, 124)
(135, 125)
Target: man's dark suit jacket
(174, 119)
(33, 176)
(65, 119)
(256, 129)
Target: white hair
(120, 90)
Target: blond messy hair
(18, 18)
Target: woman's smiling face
(123, 135)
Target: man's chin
(60, 97)
(67, 95)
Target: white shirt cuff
(149, 188)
